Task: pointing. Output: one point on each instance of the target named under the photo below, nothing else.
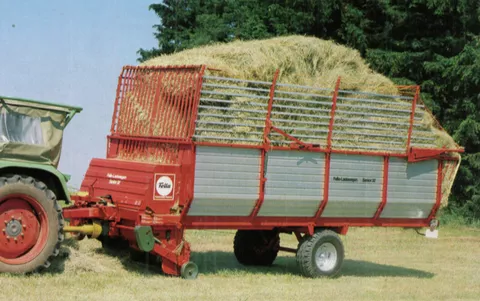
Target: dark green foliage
(434, 43)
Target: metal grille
(156, 101)
(234, 111)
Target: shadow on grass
(214, 262)
(58, 263)
(220, 262)
(361, 268)
(145, 263)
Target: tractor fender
(54, 179)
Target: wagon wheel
(31, 225)
(256, 247)
(321, 255)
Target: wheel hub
(326, 257)
(19, 226)
(14, 228)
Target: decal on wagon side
(164, 188)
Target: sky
(72, 52)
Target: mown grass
(381, 264)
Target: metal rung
(305, 101)
(374, 94)
(301, 115)
(368, 141)
(229, 124)
(374, 121)
(236, 87)
(300, 122)
(300, 136)
(227, 131)
(231, 116)
(237, 80)
(303, 87)
(302, 108)
(234, 102)
(414, 137)
(303, 129)
(303, 94)
(234, 94)
(374, 108)
(366, 134)
(232, 109)
(424, 145)
(373, 114)
(369, 147)
(227, 138)
(367, 100)
(337, 125)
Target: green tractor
(31, 188)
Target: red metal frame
(266, 146)
(128, 187)
(332, 114)
(386, 161)
(326, 180)
(439, 191)
(412, 116)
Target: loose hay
(235, 113)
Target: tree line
(433, 43)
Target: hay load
(234, 112)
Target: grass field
(381, 264)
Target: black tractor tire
(321, 255)
(256, 247)
(36, 196)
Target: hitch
(93, 230)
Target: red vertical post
(326, 179)
(384, 188)
(332, 114)
(439, 190)
(266, 146)
(412, 117)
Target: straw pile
(301, 61)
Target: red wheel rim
(23, 229)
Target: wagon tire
(256, 247)
(321, 255)
(31, 225)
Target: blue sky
(72, 52)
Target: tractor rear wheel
(256, 247)
(31, 225)
(320, 255)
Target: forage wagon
(191, 150)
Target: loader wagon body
(194, 151)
